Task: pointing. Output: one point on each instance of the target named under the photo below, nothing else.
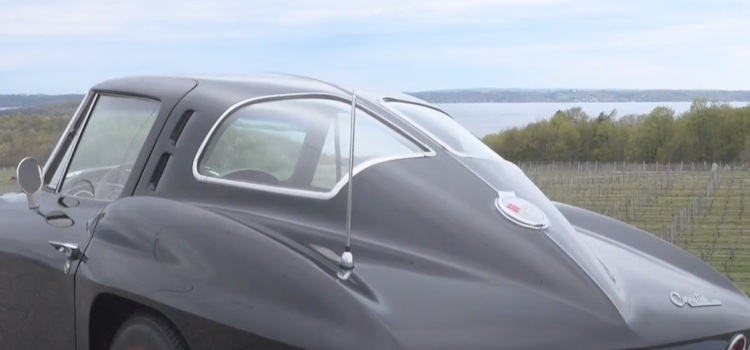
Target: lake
(485, 118)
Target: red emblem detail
(514, 208)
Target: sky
(65, 46)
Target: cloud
(397, 44)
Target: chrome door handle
(71, 251)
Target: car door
(41, 236)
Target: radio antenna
(346, 263)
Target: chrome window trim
(57, 147)
(426, 150)
(74, 143)
(384, 102)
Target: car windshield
(443, 129)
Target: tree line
(706, 132)
(711, 132)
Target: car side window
(256, 145)
(372, 140)
(297, 143)
(108, 145)
(443, 129)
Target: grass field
(6, 185)
(700, 210)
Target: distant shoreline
(582, 102)
(579, 96)
(5, 108)
(488, 96)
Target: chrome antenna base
(346, 264)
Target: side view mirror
(30, 177)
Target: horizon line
(467, 89)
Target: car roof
(228, 89)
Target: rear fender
(644, 242)
(222, 283)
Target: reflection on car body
(280, 212)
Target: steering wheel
(112, 178)
(251, 175)
(78, 191)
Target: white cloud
(307, 12)
(447, 42)
(132, 18)
(143, 19)
(685, 34)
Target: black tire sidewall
(142, 332)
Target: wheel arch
(120, 275)
(109, 311)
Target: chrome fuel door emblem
(521, 212)
(695, 300)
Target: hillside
(62, 109)
(35, 100)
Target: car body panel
(39, 296)
(36, 296)
(437, 264)
(404, 286)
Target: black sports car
(281, 212)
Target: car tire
(146, 331)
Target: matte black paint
(438, 267)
